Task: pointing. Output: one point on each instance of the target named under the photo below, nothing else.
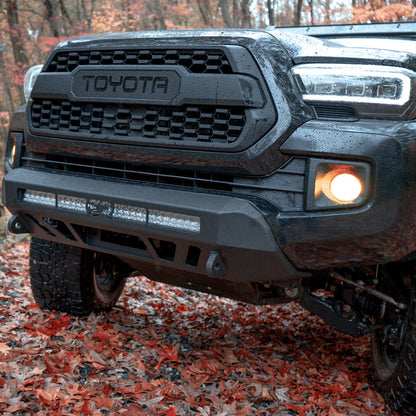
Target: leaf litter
(174, 352)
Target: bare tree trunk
(65, 13)
(87, 15)
(327, 9)
(245, 13)
(225, 12)
(15, 33)
(271, 4)
(146, 23)
(52, 16)
(235, 14)
(160, 15)
(92, 10)
(78, 10)
(6, 86)
(16, 38)
(204, 7)
(298, 11)
(311, 12)
(130, 18)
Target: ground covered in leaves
(169, 351)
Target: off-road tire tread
(400, 388)
(60, 278)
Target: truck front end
(255, 165)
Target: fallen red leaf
(174, 350)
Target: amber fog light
(345, 187)
(13, 154)
(337, 185)
(13, 151)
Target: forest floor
(169, 351)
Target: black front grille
(285, 188)
(197, 61)
(130, 171)
(184, 123)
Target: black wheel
(393, 353)
(74, 280)
(108, 280)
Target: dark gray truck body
(219, 131)
(208, 160)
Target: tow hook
(17, 225)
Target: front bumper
(235, 241)
(253, 239)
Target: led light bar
(127, 212)
(116, 211)
(72, 203)
(173, 220)
(39, 198)
(372, 84)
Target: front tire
(74, 280)
(393, 354)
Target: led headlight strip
(371, 84)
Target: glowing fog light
(13, 154)
(345, 187)
(338, 185)
(173, 220)
(39, 198)
(72, 203)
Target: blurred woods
(29, 29)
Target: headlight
(30, 79)
(371, 89)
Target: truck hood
(302, 49)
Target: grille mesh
(185, 123)
(130, 171)
(197, 61)
(285, 187)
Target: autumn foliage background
(29, 29)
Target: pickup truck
(267, 166)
